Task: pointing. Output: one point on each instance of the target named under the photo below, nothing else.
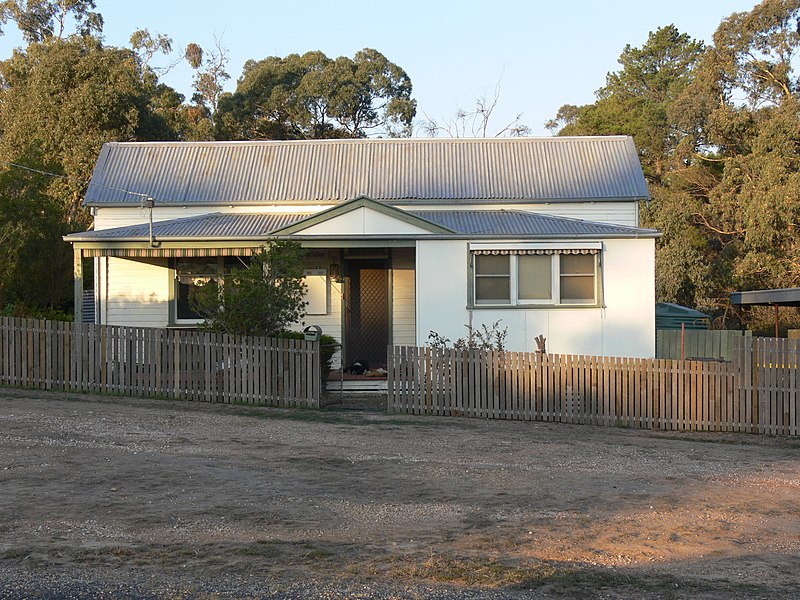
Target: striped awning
(167, 252)
(507, 251)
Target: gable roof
(391, 170)
(408, 217)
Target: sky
(539, 55)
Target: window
(535, 276)
(577, 278)
(191, 274)
(492, 279)
(532, 277)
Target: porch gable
(363, 216)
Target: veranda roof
(474, 224)
(233, 234)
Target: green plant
(328, 347)
(261, 299)
(24, 311)
(485, 337)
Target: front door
(367, 312)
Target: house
(405, 236)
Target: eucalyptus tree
(39, 20)
(746, 110)
(312, 96)
(62, 99)
(640, 100)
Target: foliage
(637, 99)
(35, 263)
(211, 75)
(147, 46)
(23, 311)
(328, 348)
(62, 99)
(718, 130)
(484, 338)
(312, 97)
(475, 123)
(261, 299)
(39, 20)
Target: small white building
(405, 236)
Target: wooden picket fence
(697, 343)
(180, 364)
(756, 392)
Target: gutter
(645, 234)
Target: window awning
(507, 251)
(167, 252)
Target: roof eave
(392, 201)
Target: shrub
(478, 338)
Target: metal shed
(672, 316)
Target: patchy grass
(467, 571)
(15, 554)
(559, 580)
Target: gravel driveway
(107, 497)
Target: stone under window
(535, 277)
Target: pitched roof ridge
(378, 141)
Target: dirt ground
(129, 498)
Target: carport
(776, 298)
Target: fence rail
(756, 392)
(188, 365)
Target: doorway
(366, 324)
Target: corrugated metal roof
(518, 222)
(475, 223)
(213, 226)
(333, 171)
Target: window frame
(222, 270)
(486, 276)
(554, 251)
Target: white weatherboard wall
(630, 295)
(403, 298)
(624, 327)
(441, 288)
(133, 292)
(331, 321)
(619, 213)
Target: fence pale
(757, 391)
(187, 365)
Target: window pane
(183, 305)
(492, 289)
(191, 274)
(487, 264)
(196, 266)
(235, 262)
(535, 277)
(577, 264)
(577, 288)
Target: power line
(86, 183)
